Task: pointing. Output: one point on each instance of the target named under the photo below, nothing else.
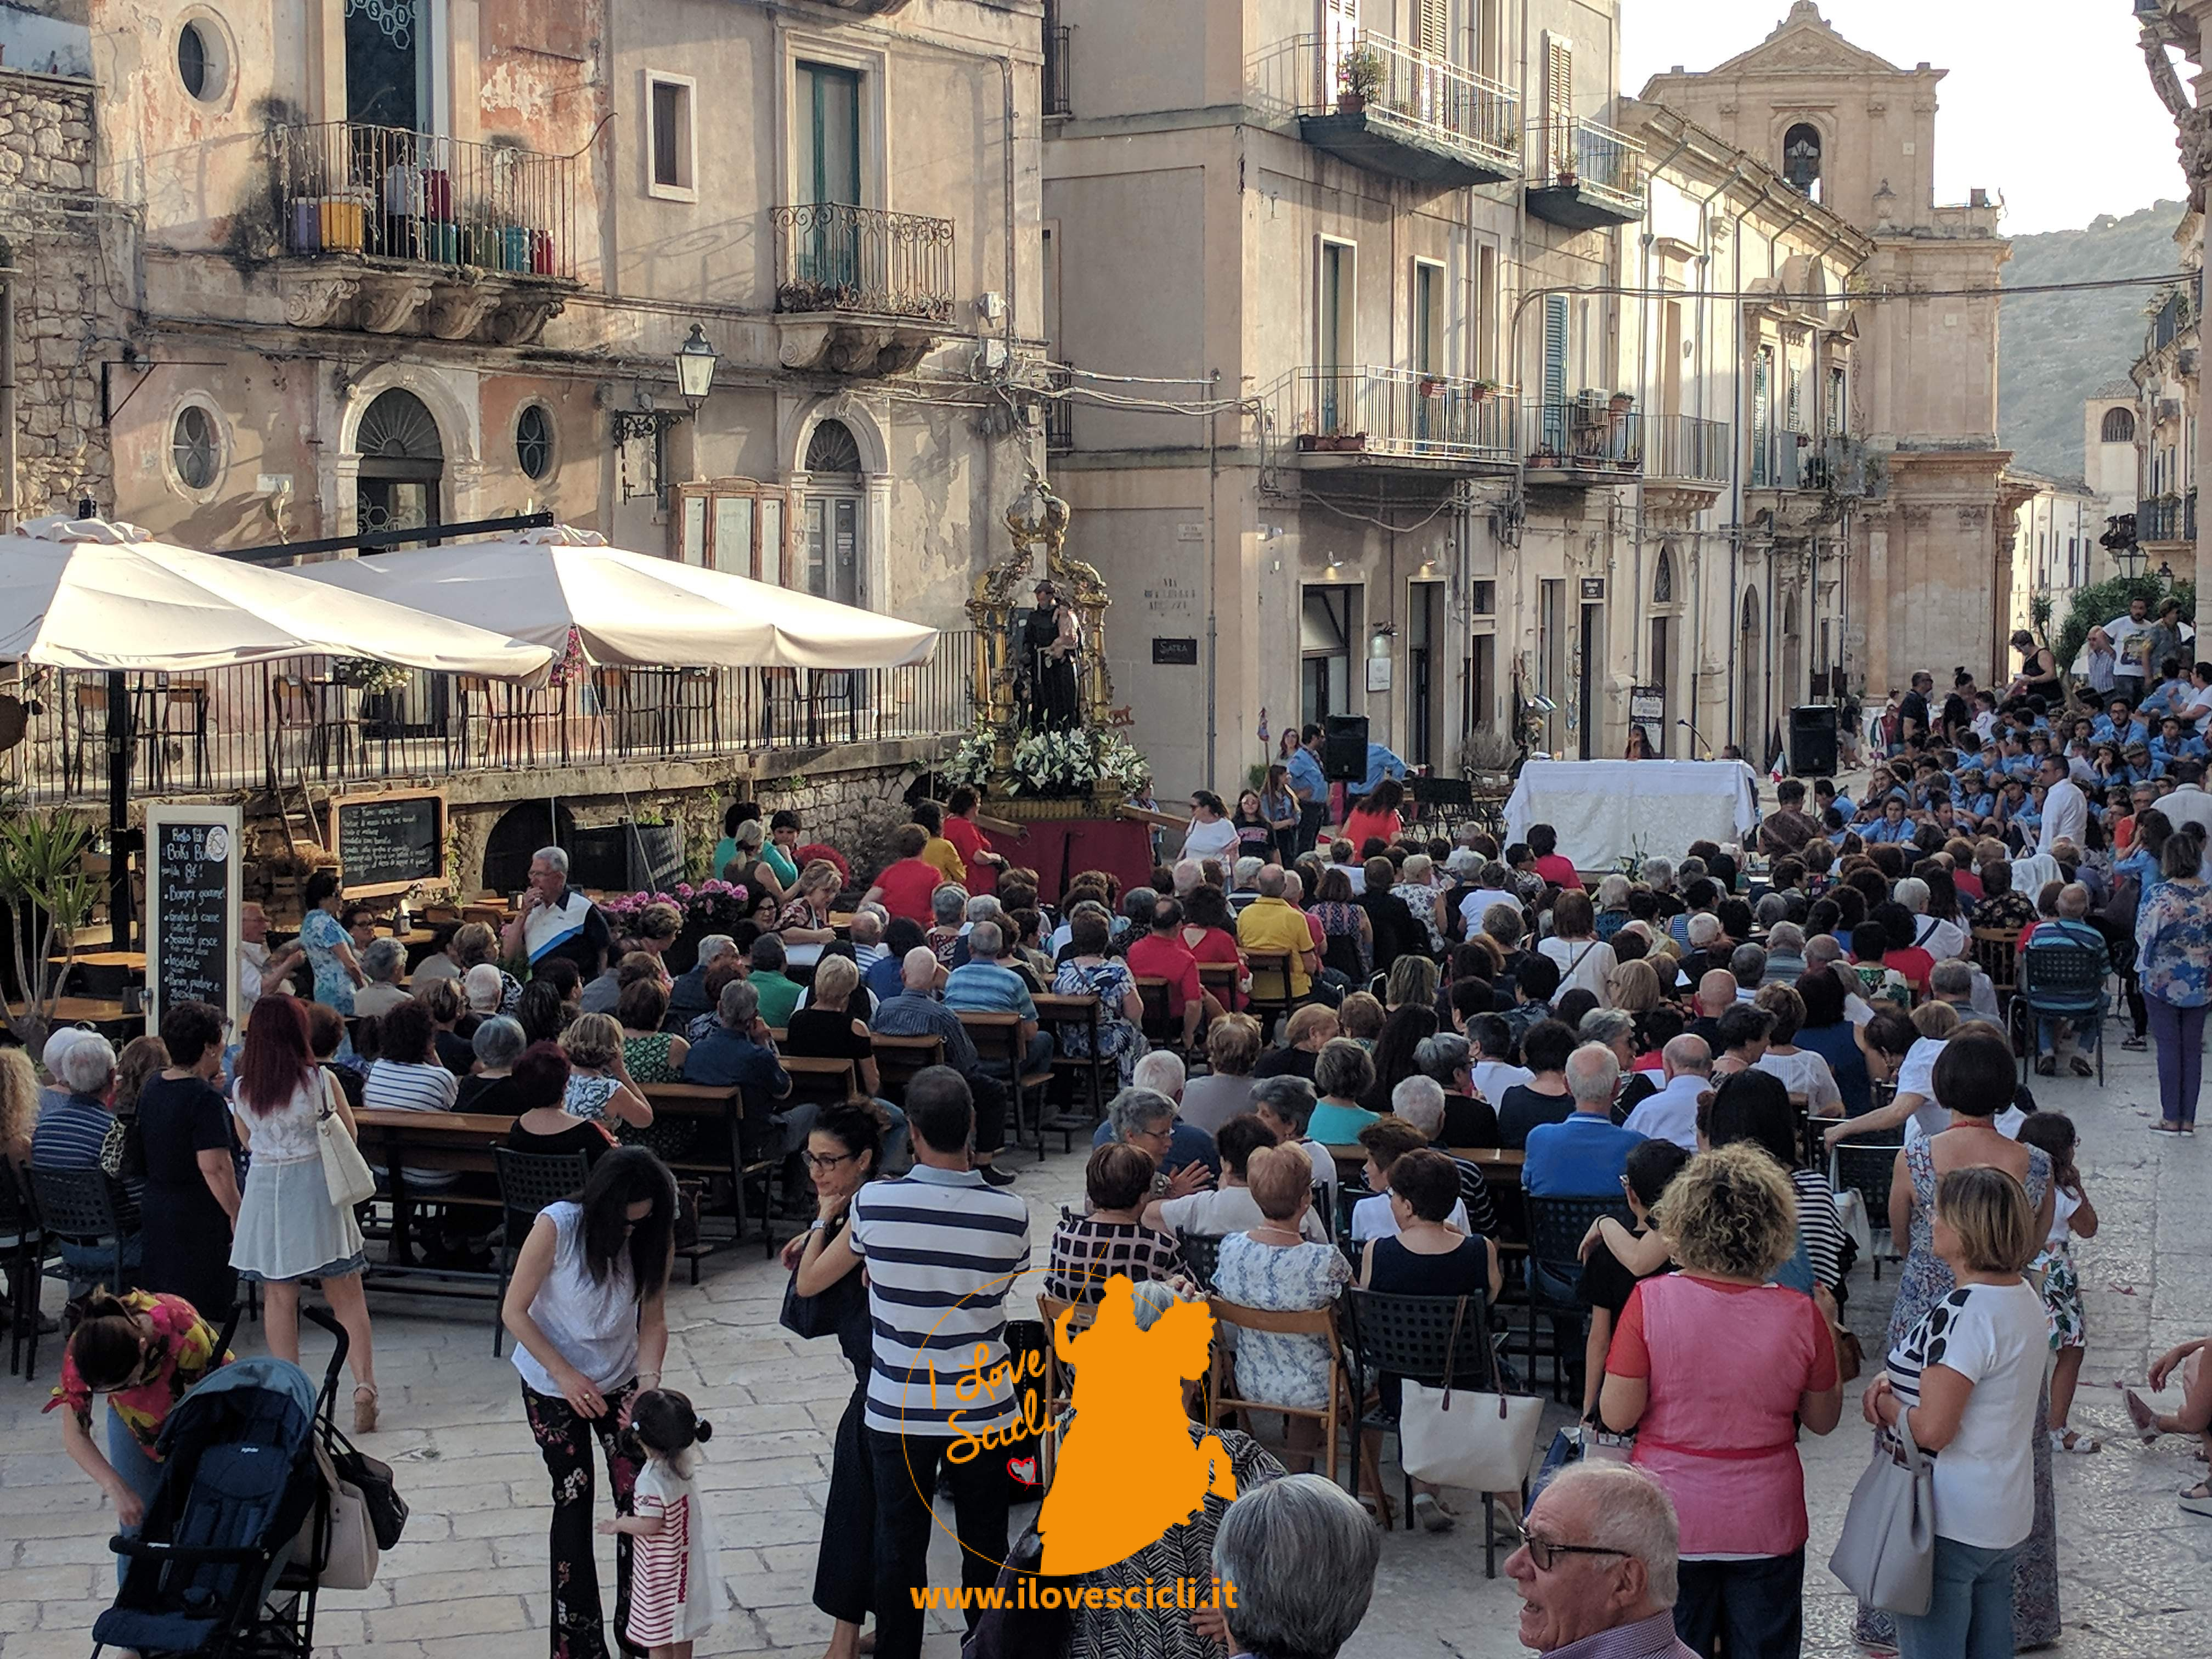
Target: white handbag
(346, 1173)
(1460, 1438)
(350, 1556)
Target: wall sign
(1178, 654)
(387, 843)
(1593, 588)
(191, 934)
(1647, 704)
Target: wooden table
(102, 975)
(459, 1141)
(104, 1014)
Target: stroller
(235, 1539)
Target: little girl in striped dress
(671, 1590)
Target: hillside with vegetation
(2057, 350)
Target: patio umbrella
(628, 608)
(86, 594)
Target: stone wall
(71, 259)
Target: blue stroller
(225, 1563)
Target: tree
(2095, 606)
(49, 897)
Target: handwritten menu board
(387, 843)
(192, 880)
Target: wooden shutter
(1555, 348)
(1560, 99)
(1432, 30)
(1340, 33)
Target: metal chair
(1868, 1167)
(1556, 1226)
(22, 1247)
(2060, 982)
(77, 1207)
(1411, 1337)
(528, 1182)
(1201, 1254)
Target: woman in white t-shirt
(1970, 1374)
(1211, 833)
(1586, 961)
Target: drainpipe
(1647, 312)
(1735, 538)
(8, 400)
(1013, 278)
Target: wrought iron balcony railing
(831, 257)
(1431, 98)
(388, 193)
(1584, 434)
(1394, 413)
(1686, 446)
(1583, 155)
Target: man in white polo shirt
(942, 1250)
(1672, 1114)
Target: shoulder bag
(1886, 1555)
(1476, 1442)
(345, 1171)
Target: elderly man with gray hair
(383, 960)
(916, 1011)
(687, 997)
(1672, 1114)
(1598, 1568)
(1748, 963)
(1585, 1155)
(1301, 1555)
(555, 920)
(69, 1134)
(740, 1053)
(1785, 954)
(1449, 1059)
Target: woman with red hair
(288, 1230)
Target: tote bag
(1474, 1441)
(345, 1171)
(1886, 1555)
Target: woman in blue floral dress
(1974, 1078)
(1088, 971)
(329, 947)
(1275, 1268)
(2174, 960)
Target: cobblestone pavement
(469, 1579)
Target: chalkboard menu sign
(387, 843)
(191, 939)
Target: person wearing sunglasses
(1597, 1568)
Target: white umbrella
(87, 593)
(629, 608)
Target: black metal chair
(1411, 1337)
(528, 1182)
(22, 1247)
(1868, 1167)
(2060, 982)
(1556, 1226)
(1201, 1254)
(77, 1207)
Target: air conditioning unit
(1592, 398)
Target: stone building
(295, 270)
(2055, 550)
(2169, 438)
(1928, 565)
(2109, 426)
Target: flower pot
(1351, 103)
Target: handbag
(1886, 1555)
(345, 1171)
(348, 1551)
(386, 1508)
(824, 1313)
(1483, 1446)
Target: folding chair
(1319, 1322)
(528, 1182)
(1059, 1392)
(1201, 1254)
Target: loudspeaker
(1813, 740)
(1344, 748)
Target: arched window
(1663, 580)
(1800, 158)
(2119, 426)
(835, 513)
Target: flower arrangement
(971, 761)
(369, 676)
(571, 667)
(1070, 763)
(713, 905)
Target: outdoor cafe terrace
(329, 721)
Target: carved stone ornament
(389, 301)
(457, 310)
(522, 317)
(316, 301)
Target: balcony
(1589, 440)
(1383, 107)
(267, 725)
(1393, 420)
(1059, 413)
(395, 232)
(1057, 40)
(1684, 449)
(860, 291)
(1583, 176)
(2166, 520)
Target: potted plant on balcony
(1359, 78)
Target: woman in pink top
(1722, 1439)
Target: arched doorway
(1750, 673)
(520, 831)
(835, 513)
(402, 465)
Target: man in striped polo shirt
(942, 1248)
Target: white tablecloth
(1604, 810)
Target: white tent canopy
(629, 608)
(87, 593)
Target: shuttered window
(1555, 348)
(1432, 28)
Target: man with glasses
(1597, 1569)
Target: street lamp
(695, 368)
(2131, 559)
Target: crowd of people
(1676, 1042)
